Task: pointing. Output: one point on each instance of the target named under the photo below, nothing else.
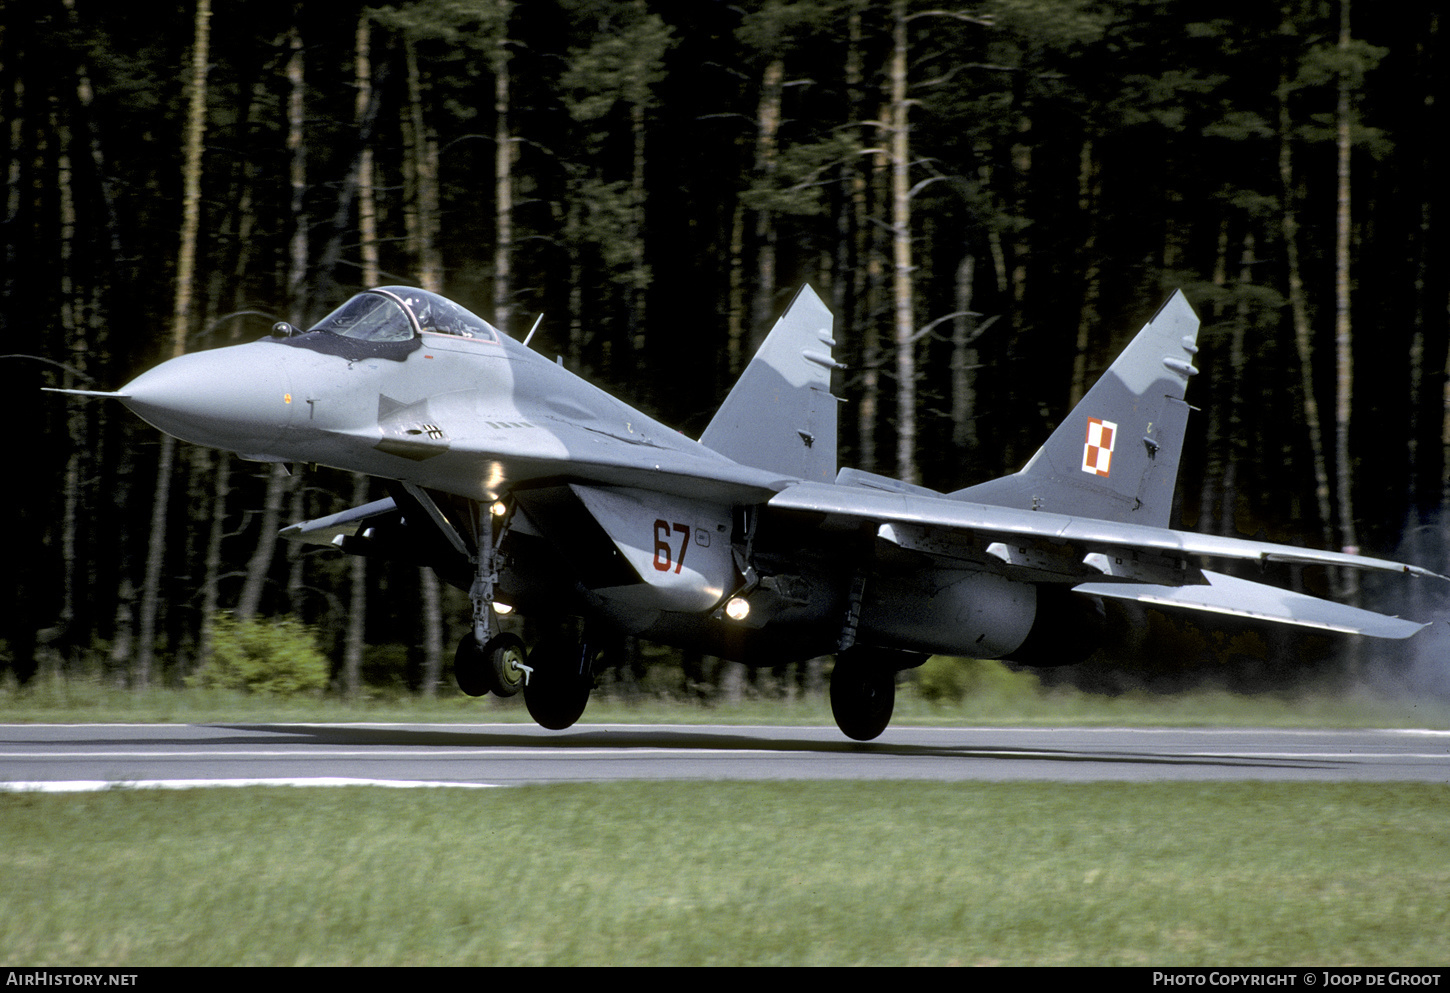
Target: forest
(991, 197)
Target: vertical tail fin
(1115, 456)
(781, 415)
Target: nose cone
(238, 398)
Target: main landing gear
(863, 693)
(558, 674)
(561, 676)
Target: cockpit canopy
(399, 313)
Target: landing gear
(863, 693)
(495, 667)
(488, 661)
(468, 667)
(504, 657)
(558, 688)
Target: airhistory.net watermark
(69, 977)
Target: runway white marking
(99, 785)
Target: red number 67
(663, 559)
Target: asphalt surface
(92, 756)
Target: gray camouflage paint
(826, 558)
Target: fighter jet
(518, 481)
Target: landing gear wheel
(489, 668)
(470, 668)
(558, 689)
(505, 678)
(863, 694)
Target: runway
(92, 756)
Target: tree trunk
(1234, 441)
(639, 278)
(432, 633)
(573, 238)
(964, 359)
(250, 600)
(1087, 321)
(366, 107)
(180, 329)
(1343, 341)
(222, 479)
(355, 639)
(191, 179)
(294, 550)
(868, 411)
(1300, 309)
(850, 203)
(904, 325)
(735, 308)
(767, 153)
(71, 308)
(1021, 240)
(297, 289)
(212, 559)
(1212, 513)
(430, 277)
(503, 178)
(279, 481)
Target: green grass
(731, 873)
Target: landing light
(502, 608)
(498, 508)
(737, 609)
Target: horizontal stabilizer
(326, 530)
(1242, 598)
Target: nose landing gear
(497, 666)
(487, 660)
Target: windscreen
(369, 316)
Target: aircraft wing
(848, 504)
(1256, 601)
(1101, 558)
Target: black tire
(470, 667)
(863, 694)
(504, 679)
(558, 688)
